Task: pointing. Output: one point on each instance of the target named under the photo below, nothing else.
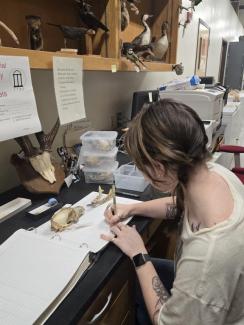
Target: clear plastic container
(97, 159)
(99, 140)
(101, 175)
(128, 177)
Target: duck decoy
(161, 46)
(88, 17)
(73, 33)
(144, 38)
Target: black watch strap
(140, 259)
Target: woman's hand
(127, 239)
(123, 211)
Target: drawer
(120, 308)
(116, 297)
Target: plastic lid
(96, 135)
(86, 152)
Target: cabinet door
(115, 301)
(235, 65)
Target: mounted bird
(178, 68)
(160, 47)
(133, 6)
(35, 32)
(125, 16)
(88, 17)
(135, 59)
(73, 33)
(144, 38)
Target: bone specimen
(65, 217)
(101, 198)
(10, 32)
(39, 158)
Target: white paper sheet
(89, 228)
(68, 85)
(33, 272)
(18, 112)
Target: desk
(112, 271)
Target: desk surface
(87, 288)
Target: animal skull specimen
(100, 198)
(42, 164)
(65, 217)
(39, 158)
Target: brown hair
(171, 133)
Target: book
(39, 268)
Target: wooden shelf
(106, 47)
(126, 65)
(43, 60)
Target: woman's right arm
(158, 209)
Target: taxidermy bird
(125, 16)
(133, 6)
(178, 68)
(73, 33)
(130, 55)
(161, 46)
(139, 50)
(194, 3)
(145, 37)
(88, 17)
(35, 32)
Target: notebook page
(33, 272)
(93, 222)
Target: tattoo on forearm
(170, 211)
(162, 294)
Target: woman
(167, 142)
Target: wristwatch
(140, 259)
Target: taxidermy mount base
(33, 181)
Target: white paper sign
(68, 85)
(18, 112)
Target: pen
(114, 199)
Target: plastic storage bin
(94, 159)
(128, 177)
(102, 175)
(99, 140)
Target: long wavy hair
(172, 134)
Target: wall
(241, 16)
(106, 93)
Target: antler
(40, 159)
(27, 146)
(46, 140)
(11, 33)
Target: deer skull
(40, 158)
(43, 165)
